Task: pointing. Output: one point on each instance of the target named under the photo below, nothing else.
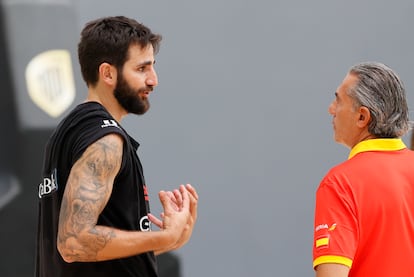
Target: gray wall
(241, 113)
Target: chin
(338, 140)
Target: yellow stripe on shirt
(332, 260)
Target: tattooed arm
(87, 191)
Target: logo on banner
(50, 82)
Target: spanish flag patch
(322, 242)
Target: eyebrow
(146, 63)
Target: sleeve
(92, 130)
(336, 226)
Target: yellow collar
(392, 144)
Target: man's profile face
(136, 80)
(344, 114)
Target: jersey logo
(322, 235)
(144, 224)
(48, 185)
(109, 123)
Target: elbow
(68, 249)
(64, 253)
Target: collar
(381, 144)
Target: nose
(152, 79)
(331, 108)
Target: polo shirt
(364, 214)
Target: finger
(192, 191)
(178, 198)
(174, 200)
(166, 202)
(171, 196)
(193, 200)
(185, 197)
(193, 208)
(155, 220)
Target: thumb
(155, 220)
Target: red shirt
(364, 216)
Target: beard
(129, 98)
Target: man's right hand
(176, 215)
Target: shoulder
(105, 153)
(92, 120)
(338, 176)
(90, 124)
(111, 142)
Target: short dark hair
(108, 39)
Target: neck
(364, 136)
(107, 99)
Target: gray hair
(380, 90)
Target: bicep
(89, 185)
(332, 270)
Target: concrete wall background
(241, 113)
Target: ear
(108, 74)
(364, 117)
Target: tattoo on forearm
(87, 191)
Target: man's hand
(182, 200)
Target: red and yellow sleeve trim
(377, 145)
(332, 260)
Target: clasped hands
(179, 215)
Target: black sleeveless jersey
(126, 209)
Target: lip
(145, 94)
